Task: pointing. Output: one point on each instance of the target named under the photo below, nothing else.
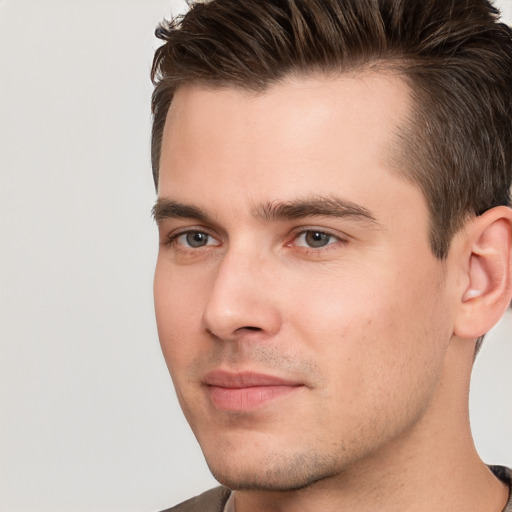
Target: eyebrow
(318, 206)
(169, 209)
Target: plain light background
(88, 417)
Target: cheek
(379, 370)
(178, 315)
(374, 329)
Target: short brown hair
(454, 54)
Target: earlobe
(488, 266)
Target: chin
(275, 473)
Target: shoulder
(505, 475)
(213, 500)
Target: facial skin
(291, 249)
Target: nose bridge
(239, 297)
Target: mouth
(246, 391)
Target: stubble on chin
(275, 472)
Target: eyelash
(172, 240)
(303, 233)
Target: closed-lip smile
(245, 391)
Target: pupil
(316, 239)
(197, 239)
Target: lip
(246, 391)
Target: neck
(432, 466)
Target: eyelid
(340, 237)
(173, 236)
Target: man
(333, 184)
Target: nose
(241, 298)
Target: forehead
(315, 135)
(298, 101)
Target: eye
(194, 239)
(315, 239)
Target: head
(324, 167)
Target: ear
(488, 268)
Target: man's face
(302, 315)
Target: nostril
(250, 328)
